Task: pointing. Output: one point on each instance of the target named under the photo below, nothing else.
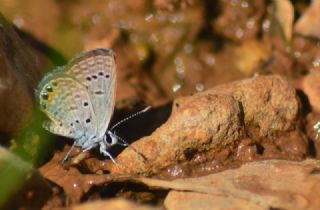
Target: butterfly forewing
(67, 103)
(96, 70)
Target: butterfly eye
(107, 76)
(112, 140)
(94, 77)
(108, 141)
(88, 120)
(100, 73)
(85, 104)
(88, 78)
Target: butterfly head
(110, 139)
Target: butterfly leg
(316, 127)
(68, 153)
(103, 150)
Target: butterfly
(79, 100)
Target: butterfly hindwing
(56, 128)
(67, 103)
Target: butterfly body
(79, 98)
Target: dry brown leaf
(256, 185)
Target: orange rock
(211, 120)
(311, 86)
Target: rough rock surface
(268, 102)
(208, 121)
(205, 123)
(311, 86)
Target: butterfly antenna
(131, 116)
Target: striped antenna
(131, 116)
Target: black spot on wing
(99, 92)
